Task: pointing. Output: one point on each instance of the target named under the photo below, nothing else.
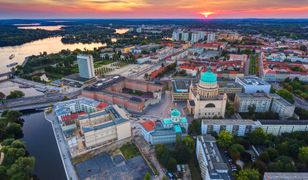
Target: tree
(257, 136)
(247, 174)
(229, 109)
(147, 176)
(303, 154)
(303, 48)
(235, 151)
(260, 166)
(224, 139)
(273, 153)
(171, 165)
(264, 157)
(15, 94)
(2, 95)
(286, 95)
(252, 111)
(22, 168)
(195, 127)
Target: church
(204, 100)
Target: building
(204, 98)
(277, 127)
(281, 106)
(210, 161)
(285, 176)
(229, 87)
(133, 95)
(261, 101)
(253, 84)
(180, 90)
(237, 127)
(88, 124)
(238, 57)
(211, 37)
(164, 131)
(241, 127)
(85, 66)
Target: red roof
(102, 105)
(148, 125)
(70, 117)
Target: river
(41, 144)
(49, 45)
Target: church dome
(208, 77)
(175, 113)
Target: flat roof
(252, 80)
(285, 176)
(229, 122)
(283, 122)
(213, 158)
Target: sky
(153, 9)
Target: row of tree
(17, 164)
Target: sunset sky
(153, 8)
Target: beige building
(105, 126)
(204, 98)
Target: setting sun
(206, 14)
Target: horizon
(153, 9)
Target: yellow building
(204, 98)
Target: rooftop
(252, 80)
(229, 122)
(285, 176)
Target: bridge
(36, 102)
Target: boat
(12, 64)
(12, 56)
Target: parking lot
(107, 167)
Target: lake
(47, 28)
(49, 45)
(40, 142)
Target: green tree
(15, 94)
(2, 95)
(303, 154)
(286, 95)
(235, 150)
(171, 165)
(257, 136)
(224, 139)
(22, 168)
(252, 111)
(195, 127)
(273, 153)
(247, 174)
(303, 48)
(147, 176)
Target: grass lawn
(129, 150)
(102, 63)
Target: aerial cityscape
(153, 90)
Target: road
(63, 147)
(247, 66)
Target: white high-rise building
(210, 37)
(195, 37)
(185, 36)
(85, 66)
(176, 35)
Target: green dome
(175, 112)
(208, 77)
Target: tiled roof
(148, 125)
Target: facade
(89, 124)
(282, 106)
(180, 90)
(242, 127)
(211, 37)
(277, 127)
(85, 66)
(261, 101)
(164, 131)
(133, 95)
(210, 161)
(204, 98)
(253, 84)
(234, 126)
(285, 176)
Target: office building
(204, 98)
(261, 101)
(285, 176)
(164, 131)
(210, 161)
(277, 127)
(85, 66)
(281, 106)
(211, 37)
(253, 84)
(237, 127)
